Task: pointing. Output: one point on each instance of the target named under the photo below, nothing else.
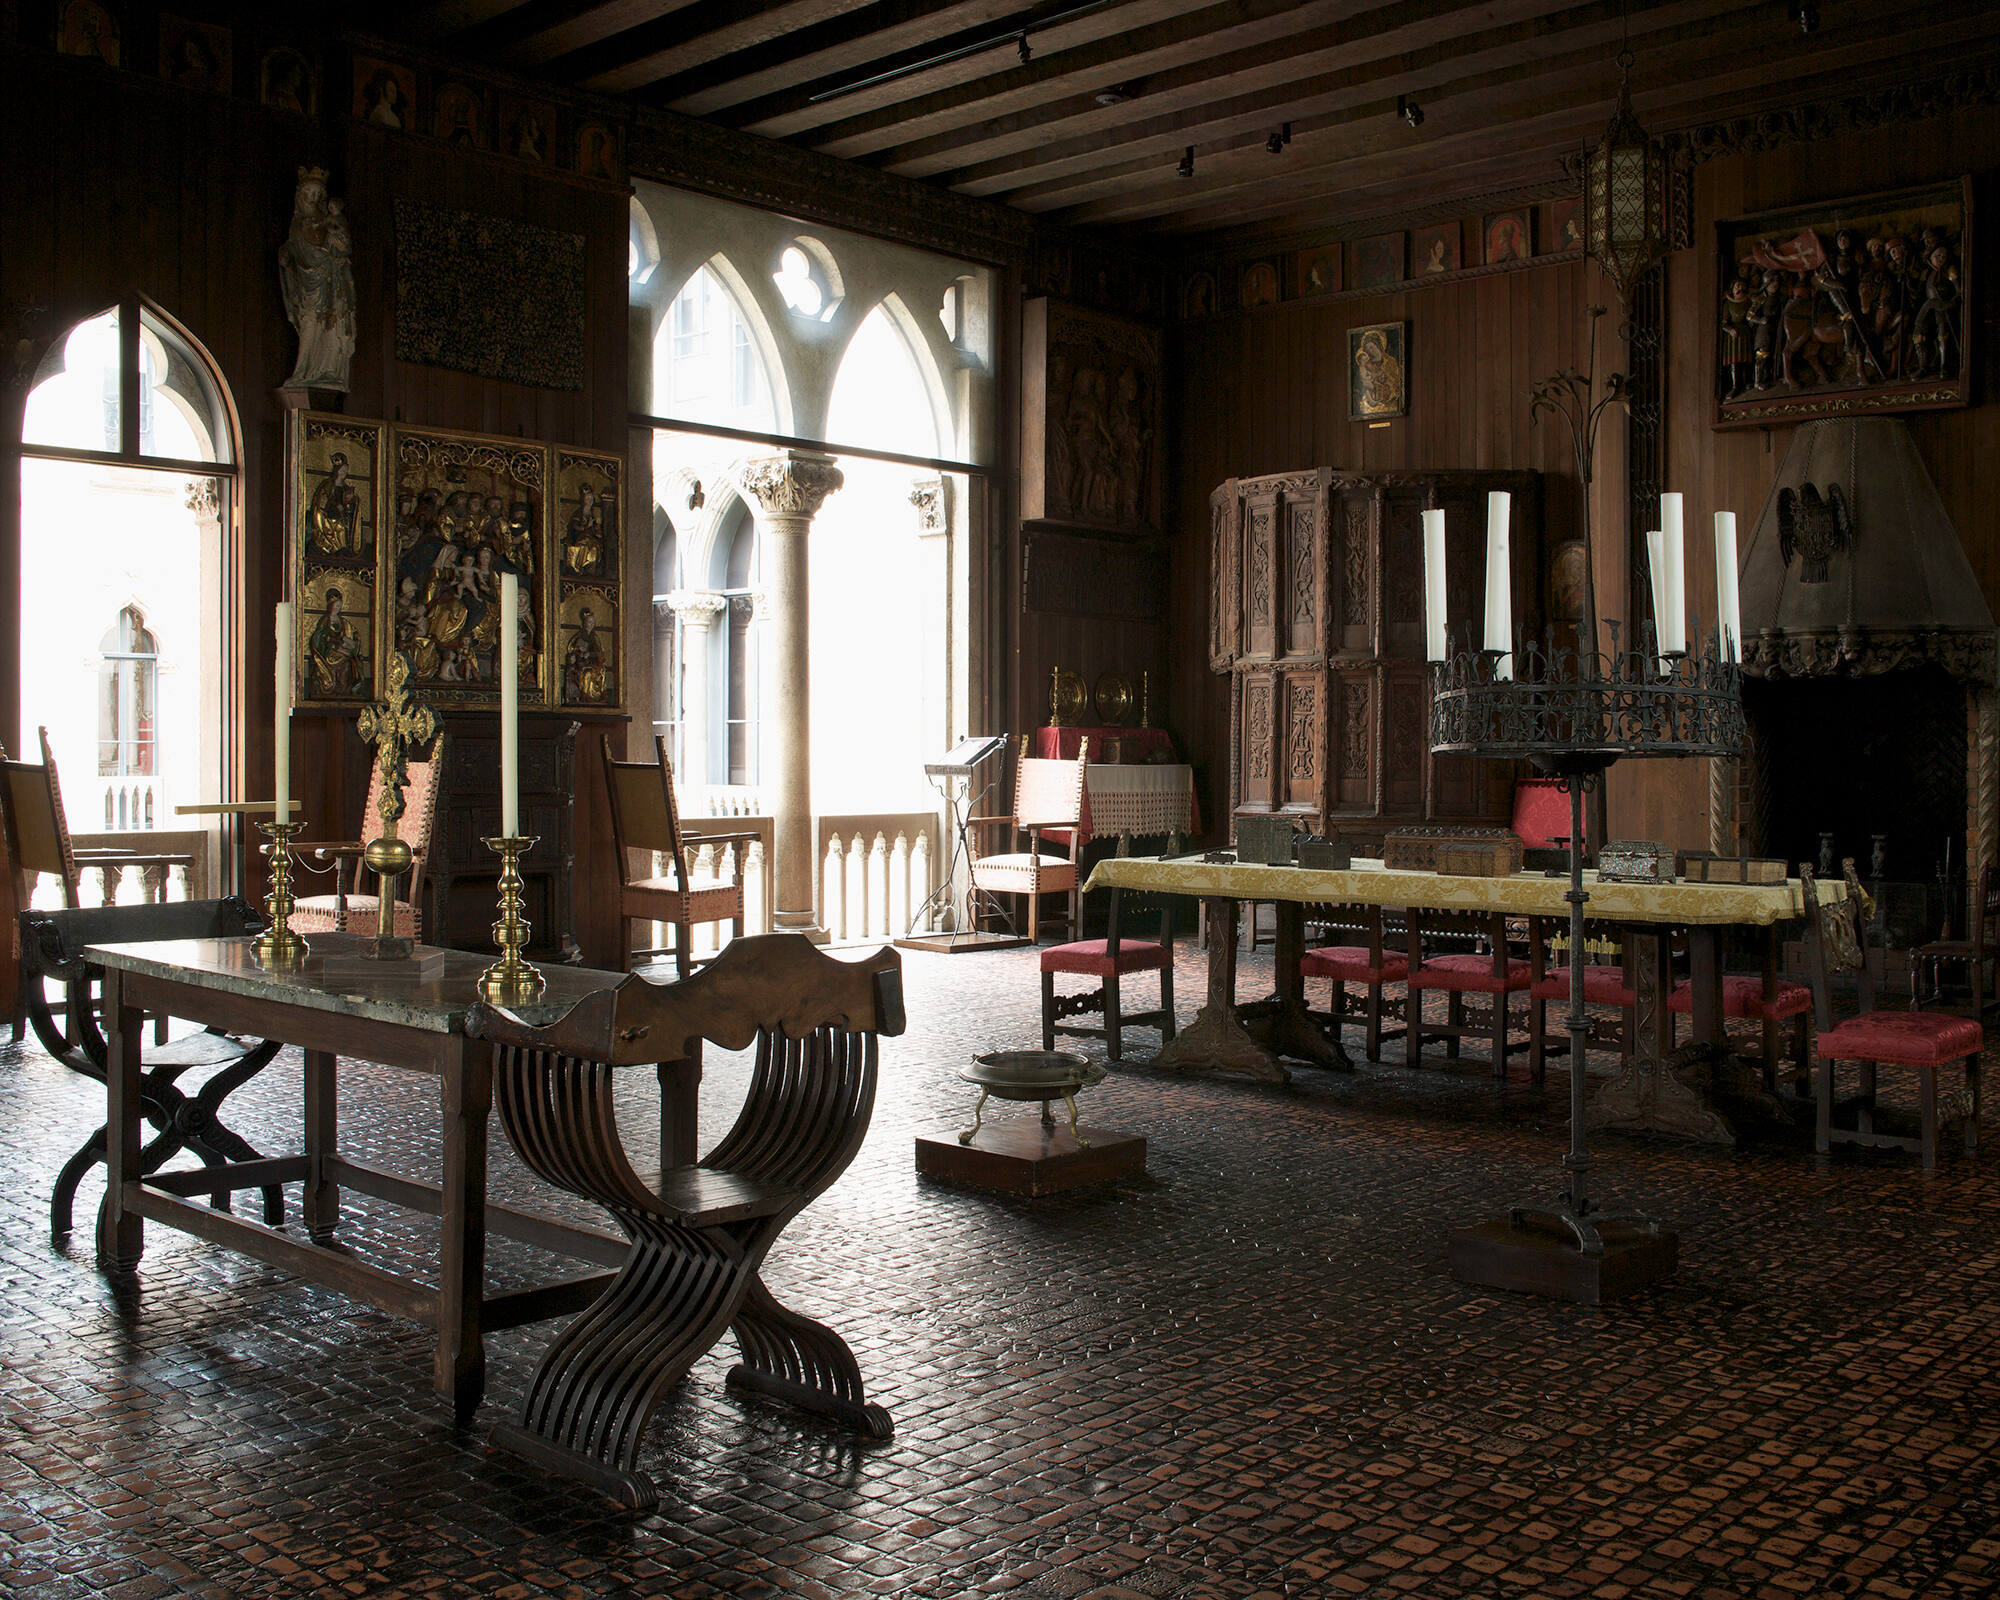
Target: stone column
(785, 491)
(696, 611)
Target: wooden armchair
(699, 1229)
(354, 905)
(645, 816)
(37, 840)
(1048, 798)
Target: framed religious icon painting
(1378, 262)
(1378, 372)
(335, 498)
(1510, 236)
(1435, 250)
(1317, 269)
(467, 508)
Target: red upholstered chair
(1765, 998)
(1048, 797)
(1365, 963)
(1108, 960)
(1837, 941)
(1497, 975)
(1604, 984)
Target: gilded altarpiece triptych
(400, 536)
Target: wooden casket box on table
(1316, 613)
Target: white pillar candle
(1656, 564)
(510, 705)
(1499, 583)
(1728, 605)
(281, 732)
(1434, 602)
(1673, 536)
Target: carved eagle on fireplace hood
(1817, 529)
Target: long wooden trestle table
(411, 1026)
(1646, 1095)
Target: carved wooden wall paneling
(1259, 747)
(1303, 609)
(1355, 704)
(1260, 576)
(1304, 739)
(1225, 520)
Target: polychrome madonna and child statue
(316, 277)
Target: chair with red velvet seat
(1367, 964)
(1497, 975)
(1108, 960)
(1765, 998)
(1837, 942)
(1604, 984)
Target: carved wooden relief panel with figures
(399, 537)
(1317, 610)
(1858, 307)
(1090, 437)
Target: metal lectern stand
(952, 777)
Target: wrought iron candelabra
(1573, 713)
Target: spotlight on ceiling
(1026, 54)
(1186, 168)
(1409, 111)
(1279, 140)
(1805, 15)
(1114, 94)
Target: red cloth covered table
(1060, 744)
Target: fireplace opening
(1862, 758)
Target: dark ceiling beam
(1525, 151)
(636, 60)
(531, 32)
(839, 49)
(436, 19)
(1157, 37)
(1266, 87)
(1359, 117)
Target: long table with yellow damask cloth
(1644, 1096)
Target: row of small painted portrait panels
(458, 510)
(384, 93)
(1387, 260)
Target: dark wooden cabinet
(461, 884)
(1316, 613)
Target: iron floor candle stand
(510, 980)
(277, 945)
(1573, 714)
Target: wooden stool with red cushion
(1837, 941)
(1108, 960)
(1366, 964)
(1498, 975)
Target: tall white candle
(1656, 564)
(510, 705)
(1673, 535)
(281, 733)
(1499, 583)
(1434, 603)
(1728, 604)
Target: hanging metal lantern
(1626, 194)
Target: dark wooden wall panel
(116, 183)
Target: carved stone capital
(791, 483)
(204, 498)
(698, 607)
(927, 495)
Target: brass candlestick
(510, 980)
(277, 945)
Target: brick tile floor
(1247, 1375)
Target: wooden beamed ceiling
(1090, 129)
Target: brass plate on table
(1114, 699)
(1068, 698)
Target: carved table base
(1653, 1090)
(1248, 1040)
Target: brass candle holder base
(278, 946)
(510, 980)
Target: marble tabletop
(435, 1005)
(1369, 882)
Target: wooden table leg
(322, 1197)
(1288, 1029)
(1648, 1094)
(466, 1093)
(1216, 1041)
(1705, 978)
(121, 1237)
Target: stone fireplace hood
(1854, 568)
